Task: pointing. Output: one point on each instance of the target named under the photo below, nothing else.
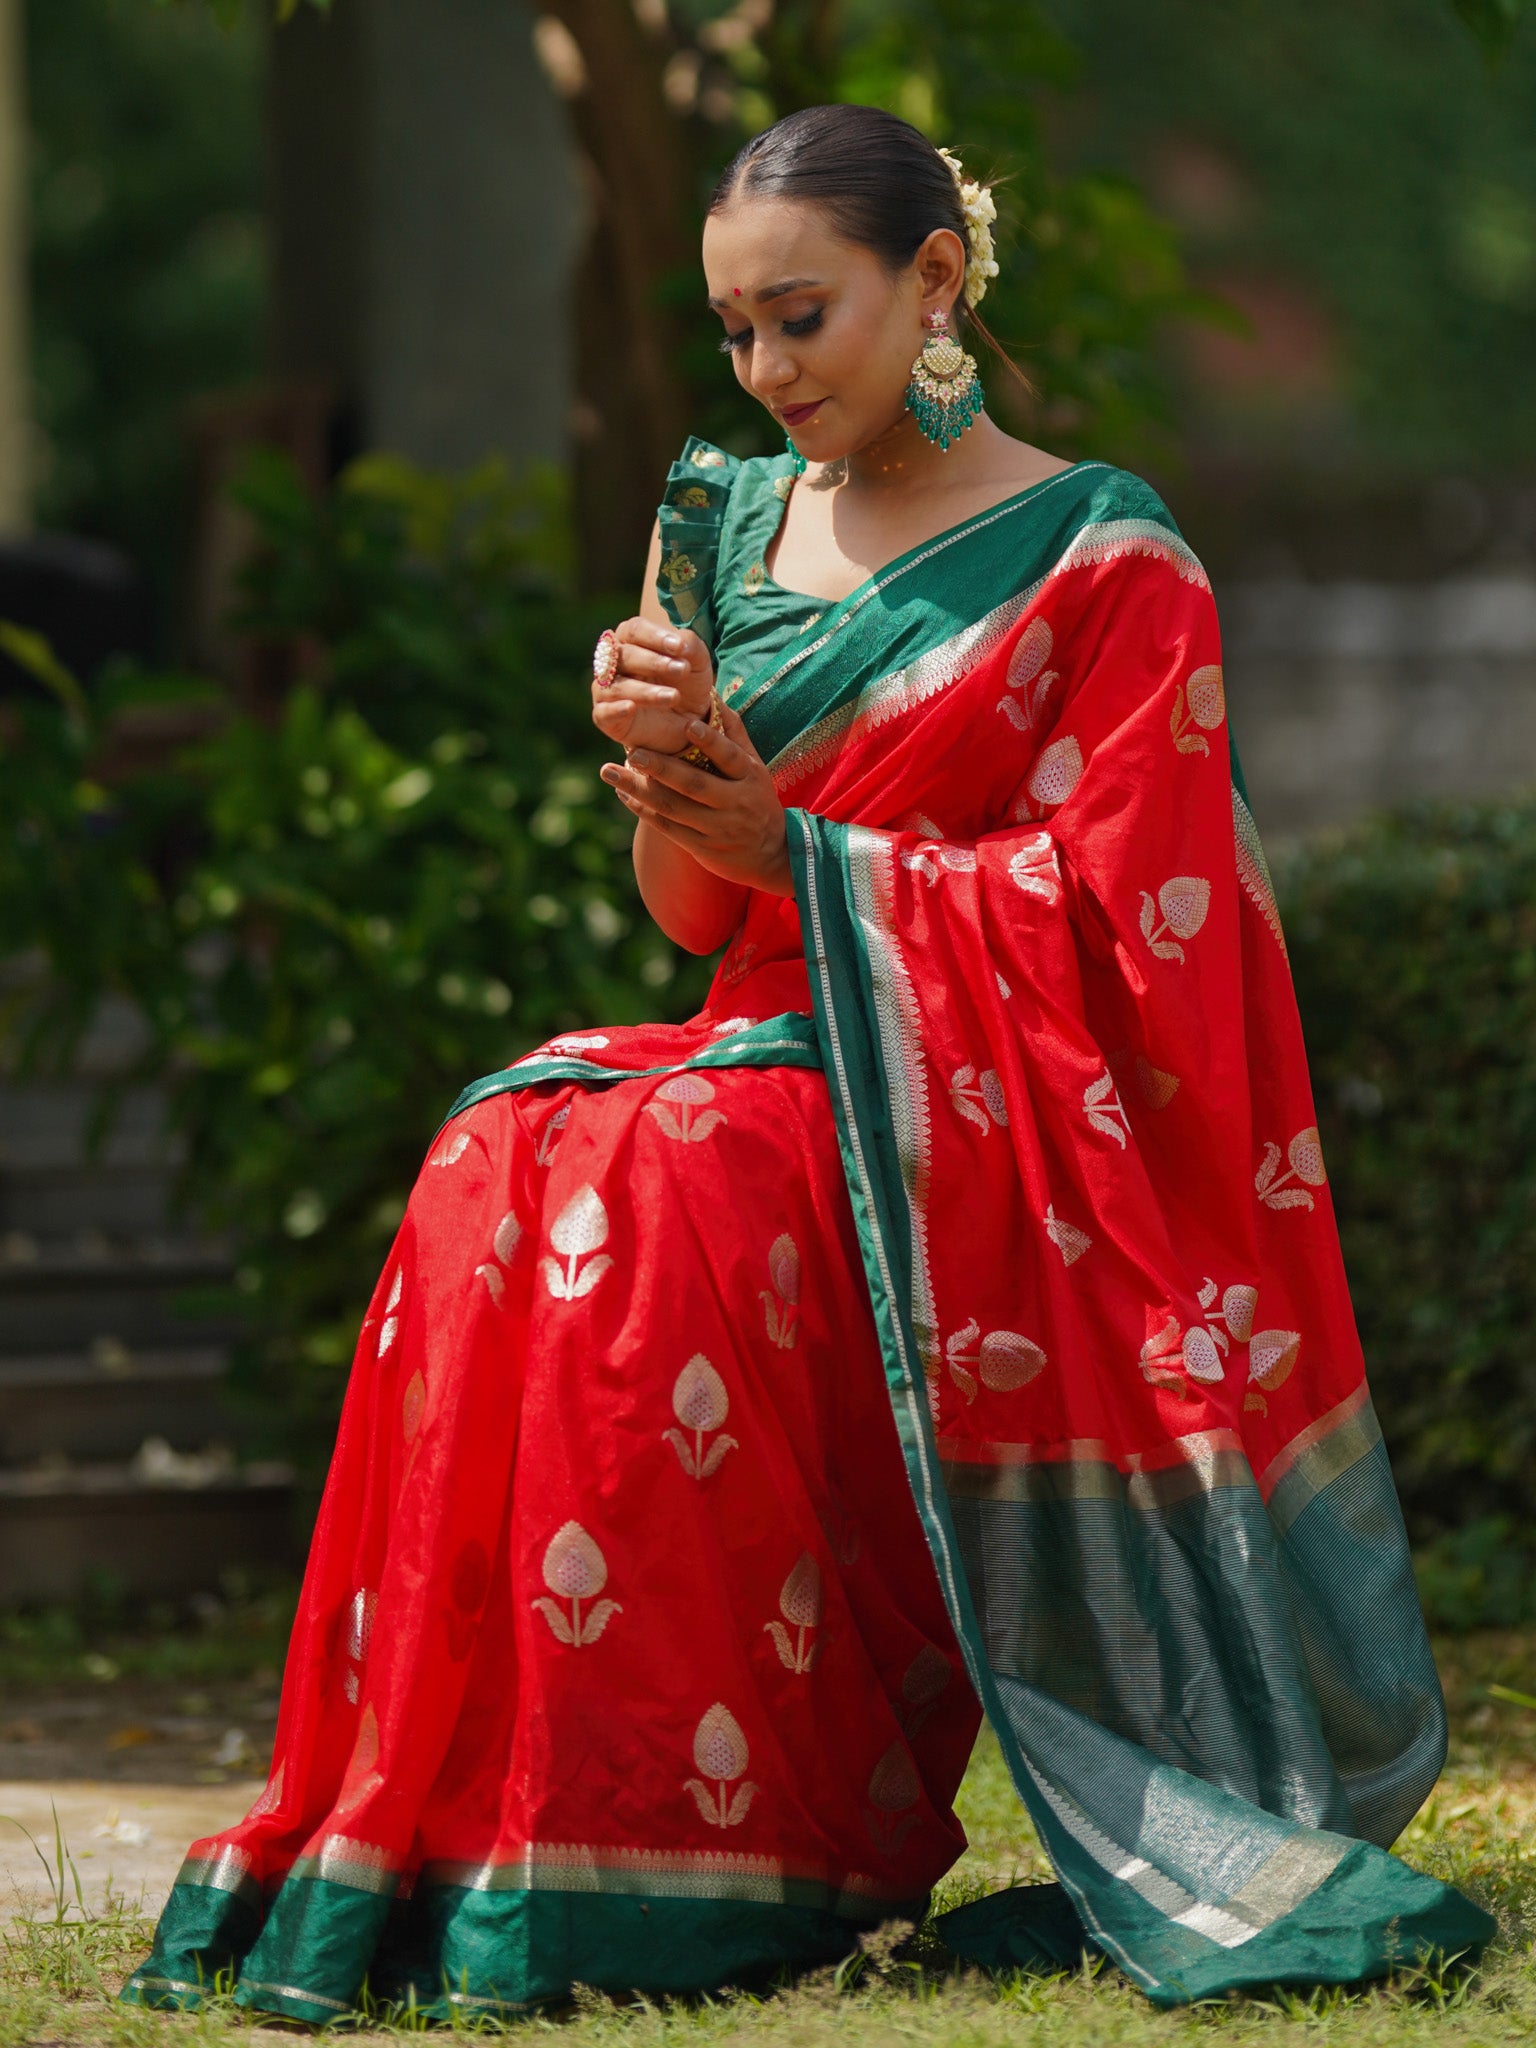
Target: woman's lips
(797, 415)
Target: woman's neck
(901, 459)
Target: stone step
(50, 1124)
(166, 1535)
(59, 1293)
(60, 1201)
(102, 1404)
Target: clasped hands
(731, 823)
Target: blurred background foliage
(148, 259)
(1303, 246)
(1306, 243)
(335, 918)
(1413, 946)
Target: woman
(949, 1316)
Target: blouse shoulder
(712, 509)
(691, 517)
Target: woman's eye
(729, 343)
(806, 324)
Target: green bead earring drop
(945, 393)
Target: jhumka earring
(945, 394)
(795, 452)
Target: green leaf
(31, 651)
(1493, 22)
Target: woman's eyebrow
(771, 291)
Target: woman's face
(818, 329)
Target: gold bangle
(695, 755)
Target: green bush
(336, 920)
(1413, 941)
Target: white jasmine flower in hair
(977, 205)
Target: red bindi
(736, 290)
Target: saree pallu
(957, 1295)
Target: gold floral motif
(1067, 1238)
(575, 1570)
(1036, 869)
(504, 1243)
(1156, 1088)
(578, 1230)
(691, 494)
(413, 1406)
(960, 860)
(1055, 775)
(1173, 1356)
(1182, 906)
(720, 1754)
(1305, 1157)
(707, 458)
(923, 1683)
(1003, 1362)
(549, 1137)
(1031, 652)
(689, 1092)
(754, 579)
(894, 1789)
(1272, 1358)
(362, 1779)
(782, 1302)
(1232, 1321)
(389, 1328)
(1200, 702)
(1102, 1105)
(270, 1800)
(782, 486)
(978, 1097)
(701, 1405)
(800, 1605)
(360, 1612)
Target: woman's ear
(940, 266)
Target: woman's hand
(663, 679)
(732, 823)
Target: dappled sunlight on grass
(59, 1970)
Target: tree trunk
(15, 373)
(632, 410)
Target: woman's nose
(771, 371)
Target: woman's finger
(731, 759)
(736, 732)
(637, 633)
(672, 772)
(642, 664)
(654, 805)
(629, 689)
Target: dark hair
(879, 181)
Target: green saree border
(919, 637)
(1176, 1942)
(456, 1942)
(840, 974)
(788, 1040)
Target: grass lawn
(57, 1980)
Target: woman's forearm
(697, 910)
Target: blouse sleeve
(691, 518)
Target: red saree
(957, 1294)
